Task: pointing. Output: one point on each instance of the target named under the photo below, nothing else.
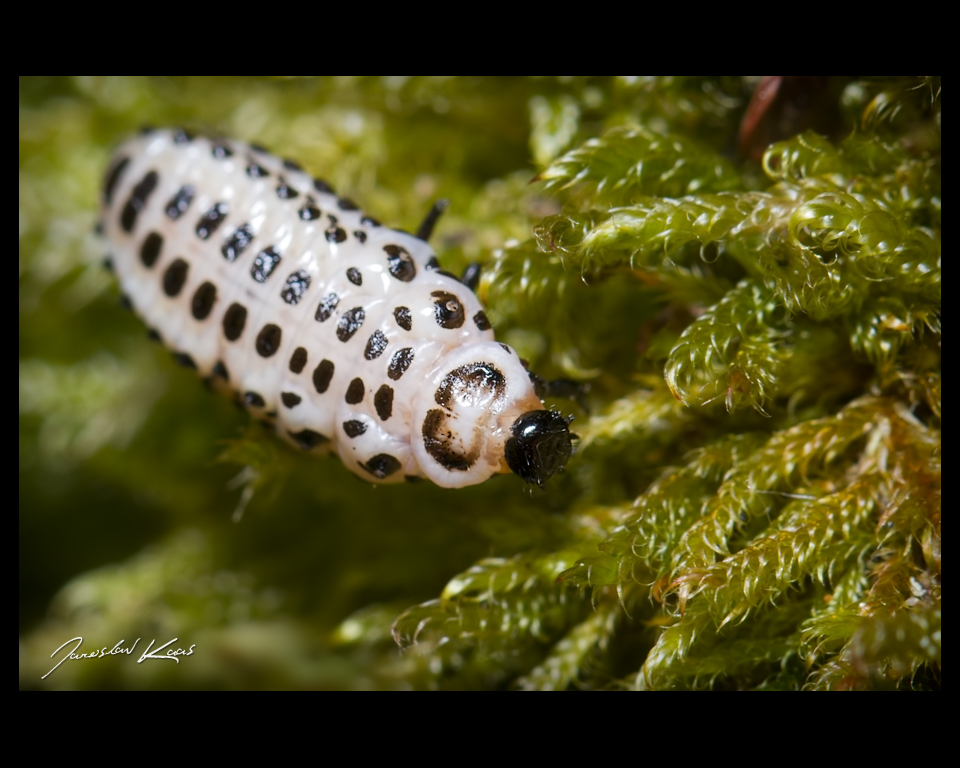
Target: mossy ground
(751, 293)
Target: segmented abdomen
(319, 317)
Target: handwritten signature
(172, 654)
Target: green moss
(754, 501)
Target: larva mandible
(342, 332)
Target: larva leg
(471, 276)
(568, 389)
(430, 221)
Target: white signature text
(150, 653)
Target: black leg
(426, 228)
(568, 389)
(471, 275)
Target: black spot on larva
(298, 360)
(355, 392)
(447, 309)
(150, 250)
(309, 213)
(381, 466)
(268, 340)
(335, 235)
(375, 345)
(321, 186)
(346, 204)
(203, 300)
(259, 148)
(474, 382)
(181, 136)
(432, 263)
(178, 204)
(265, 262)
(505, 347)
(369, 221)
(481, 321)
(413, 478)
(211, 220)
(400, 362)
(360, 235)
(350, 323)
(354, 428)
(400, 263)
(125, 302)
(439, 441)
(234, 320)
(219, 369)
(383, 402)
(327, 304)
(221, 151)
(289, 399)
(237, 243)
(110, 183)
(292, 165)
(403, 317)
(285, 191)
(138, 200)
(174, 277)
(256, 171)
(254, 399)
(182, 358)
(108, 264)
(295, 287)
(307, 438)
(322, 375)
(354, 276)
(332, 219)
(98, 228)
(154, 335)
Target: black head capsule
(539, 447)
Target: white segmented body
(338, 329)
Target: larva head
(468, 414)
(539, 446)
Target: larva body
(341, 331)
